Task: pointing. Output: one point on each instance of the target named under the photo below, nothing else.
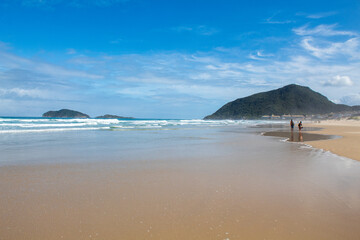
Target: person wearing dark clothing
(292, 124)
(300, 125)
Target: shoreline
(340, 137)
(347, 145)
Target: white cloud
(53, 70)
(148, 78)
(330, 49)
(215, 76)
(199, 91)
(11, 61)
(321, 15)
(33, 93)
(255, 57)
(198, 29)
(272, 20)
(201, 76)
(339, 81)
(322, 30)
(259, 55)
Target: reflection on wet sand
(295, 136)
(291, 139)
(301, 139)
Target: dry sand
(348, 145)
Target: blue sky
(171, 59)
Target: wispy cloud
(11, 61)
(274, 19)
(320, 42)
(19, 92)
(328, 49)
(259, 55)
(198, 29)
(34, 85)
(322, 30)
(321, 15)
(182, 79)
(317, 15)
(185, 79)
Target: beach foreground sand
(210, 184)
(164, 201)
(348, 145)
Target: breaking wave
(27, 125)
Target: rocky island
(289, 100)
(65, 113)
(109, 116)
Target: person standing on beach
(300, 126)
(292, 124)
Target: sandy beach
(341, 137)
(219, 183)
(347, 145)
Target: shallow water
(192, 182)
(299, 136)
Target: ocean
(28, 125)
(34, 140)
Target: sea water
(29, 140)
(27, 125)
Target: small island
(109, 116)
(65, 113)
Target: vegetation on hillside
(291, 99)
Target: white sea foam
(34, 125)
(21, 125)
(60, 120)
(47, 130)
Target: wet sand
(222, 185)
(161, 202)
(348, 145)
(296, 136)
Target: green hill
(291, 99)
(65, 113)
